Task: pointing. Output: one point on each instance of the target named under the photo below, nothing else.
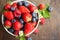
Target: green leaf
(46, 14)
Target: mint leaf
(46, 14)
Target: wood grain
(49, 31)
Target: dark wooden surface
(49, 31)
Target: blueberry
(33, 19)
(26, 3)
(29, 38)
(12, 8)
(34, 14)
(21, 20)
(13, 20)
(50, 9)
(20, 3)
(11, 30)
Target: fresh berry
(21, 20)
(12, 8)
(42, 20)
(36, 31)
(14, 5)
(50, 9)
(28, 28)
(29, 38)
(7, 23)
(14, 20)
(8, 15)
(23, 9)
(7, 6)
(33, 19)
(20, 3)
(17, 25)
(41, 6)
(32, 7)
(33, 23)
(26, 3)
(26, 17)
(34, 14)
(16, 32)
(17, 13)
(11, 30)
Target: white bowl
(26, 34)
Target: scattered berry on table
(42, 20)
(41, 6)
(29, 38)
(50, 9)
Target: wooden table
(49, 31)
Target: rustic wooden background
(49, 31)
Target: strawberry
(8, 15)
(28, 28)
(33, 23)
(16, 32)
(42, 20)
(26, 17)
(17, 13)
(36, 31)
(32, 7)
(23, 9)
(14, 5)
(7, 23)
(17, 26)
(7, 6)
(41, 6)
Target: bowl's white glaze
(28, 33)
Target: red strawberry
(17, 13)
(32, 7)
(28, 28)
(17, 26)
(23, 9)
(7, 6)
(26, 17)
(41, 6)
(7, 23)
(8, 15)
(36, 31)
(14, 5)
(42, 20)
(33, 23)
(16, 32)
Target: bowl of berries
(20, 17)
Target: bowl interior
(28, 33)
